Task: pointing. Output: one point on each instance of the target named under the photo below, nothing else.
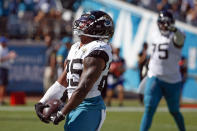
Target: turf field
(127, 118)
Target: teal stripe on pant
(154, 91)
(83, 120)
(87, 116)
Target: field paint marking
(109, 109)
(141, 109)
(173, 126)
(16, 108)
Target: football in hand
(53, 106)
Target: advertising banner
(26, 71)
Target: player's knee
(120, 88)
(174, 113)
(149, 110)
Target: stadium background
(132, 24)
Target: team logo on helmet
(96, 24)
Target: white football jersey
(75, 66)
(4, 52)
(164, 58)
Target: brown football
(53, 107)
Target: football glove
(172, 28)
(39, 109)
(59, 116)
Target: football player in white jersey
(86, 70)
(164, 78)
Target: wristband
(56, 91)
(59, 113)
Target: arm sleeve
(54, 92)
(178, 39)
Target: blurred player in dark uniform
(115, 78)
(183, 70)
(62, 54)
(50, 74)
(143, 66)
(6, 57)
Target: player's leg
(141, 89)
(152, 96)
(110, 91)
(172, 95)
(109, 96)
(111, 84)
(3, 84)
(85, 120)
(120, 92)
(2, 93)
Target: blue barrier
(26, 72)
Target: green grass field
(23, 118)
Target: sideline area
(109, 109)
(130, 105)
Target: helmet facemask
(163, 27)
(165, 20)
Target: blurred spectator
(62, 53)
(143, 66)
(33, 19)
(61, 56)
(3, 16)
(183, 70)
(143, 60)
(50, 69)
(5, 60)
(115, 78)
(47, 17)
(175, 8)
(186, 5)
(163, 5)
(135, 2)
(148, 4)
(46, 6)
(184, 10)
(72, 5)
(191, 17)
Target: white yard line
(109, 109)
(173, 126)
(16, 108)
(141, 109)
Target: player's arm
(11, 55)
(122, 68)
(178, 39)
(56, 91)
(93, 68)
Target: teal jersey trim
(93, 103)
